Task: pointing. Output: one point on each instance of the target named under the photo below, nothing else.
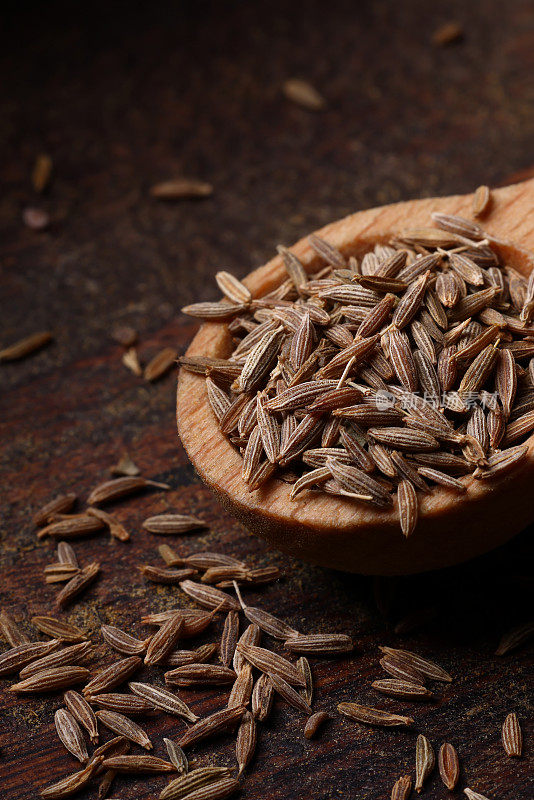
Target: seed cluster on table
(379, 379)
(247, 667)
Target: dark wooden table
(124, 97)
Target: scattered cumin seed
(130, 359)
(372, 716)
(160, 364)
(313, 724)
(303, 94)
(181, 189)
(42, 172)
(25, 347)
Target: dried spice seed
(117, 488)
(202, 674)
(179, 658)
(11, 632)
(372, 716)
(70, 734)
(78, 584)
(172, 523)
(265, 621)
(130, 359)
(290, 695)
(124, 726)
(229, 637)
(17, 657)
(400, 688)
(25, 347)
(162, 362)
(512, 738)
(424, 761)
(164, 641)
(242, 688)
(122, 703)
(271, 663)
(71, 527)
(181, 189)
(187, 785)
(165, 576)
(50, 680)
(303, 94)
(402, 788)
(177, 757)
(213, 725)
(113, 676)
(123, 642)
(481, 201)
(448, 765)
(209, 597)
(116, 528)
(61, 504)
(163, 699)
(313, 724)
(138, 764)
(320, 643)
(72, 783)
(474, 795)
(262, 697)
(68, 656)
(408, 507)
(515, 638)
(59, 573)
(423, 666)
(82, 712)
(245, 742)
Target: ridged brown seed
(178, 658)
(422, 665)
(424, 761)
(269, 429)
(61, 504)
(358, 482)
(116, 528)
(458, 225)
(82, 712)
(217, 398)
(229, 637)
(402, 788)
(481, 201)
(372, 716)
(15, 658)
(466, 269)
(258, 362)
(502, 462)
(302, 342)
(200, 674)
(232, 288)
(512, 738)
(242, 688)
(177, 757)
(404, 439)
(113, 676)
(78, 584)
(185, 785)
(327, 251)
(410, 302)
(163, 699)
(442, 479)
(393, 687)
(506, 380)
(123, 726)
(165, 524)
(71, 527)
(471, 795)
(515, 638)
(262, 697)
(122, 703)
(72, 783)
(164, 641)
(219, 722)
(448, 765)
(400, 670)
(320, 643)
(300, 396)
(251, 635)
(70, 734)
(66, 554)
(59, 573)
(271, 663)
(136, 764)
(67, 656)
(294, 267)
(267, 622)
(121, 487)
(10, 631)
(167, 577)
(289, 694)
(245, 742)
(401, 358)
(209, 597)
(50, 680)
(123, 642)
(214, 310)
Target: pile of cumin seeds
(381, 378)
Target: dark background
(122, 96)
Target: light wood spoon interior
(338, 532)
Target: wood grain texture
(122, 100)
(336, 532)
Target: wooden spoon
(337, 532)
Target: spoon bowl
(338, 532)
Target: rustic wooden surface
(124, 98)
